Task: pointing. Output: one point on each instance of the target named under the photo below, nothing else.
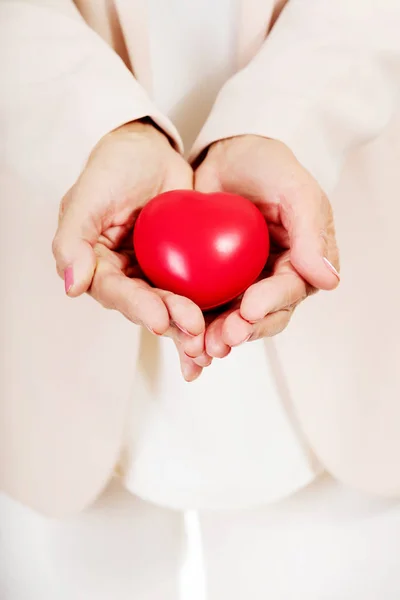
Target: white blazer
(324, 80)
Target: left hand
(304, 254)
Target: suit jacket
(322, 76)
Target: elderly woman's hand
(304, 254)
(93, 243)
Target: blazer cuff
(123, 103)
(299, 126)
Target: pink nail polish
(331, 268)
(68, 279)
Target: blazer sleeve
(325, 80)
(61, 83)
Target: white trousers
(324, 543)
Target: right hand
(93, 247)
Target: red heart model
(207, 247)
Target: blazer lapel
(134, 24)
(253, 23)
(254, 18)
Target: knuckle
(57, 247)
(101, 288)
(280, 322)
(310, 291)
(96, 290)
(64, 204)
(295, 290)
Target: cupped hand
(93, 243)
(304, 254)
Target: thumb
(314, 253)
(73, 246)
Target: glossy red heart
(207, 247)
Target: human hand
(304, 255)
(93, 244)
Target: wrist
(132, 131)
(144, 126)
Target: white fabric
(324, 543)
(120, 549)
(192, 51)
(226, 440)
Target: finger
(269, 326)
(132, 298)
(191, 345)
(181, 178)
(203, 360)
(117, 237)
(308, 218)
(190, 370)
(235, 330)
(193, 348)
(272, 325)
(283, 289)
(188, 319)
(214, 344)
(78, 231)
(278, 235)
(184, 313)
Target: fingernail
(203, 360)
(331, 268)
(151, 330)
(252, 321)
(182, 329)
(68, 279)
(246, 339)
